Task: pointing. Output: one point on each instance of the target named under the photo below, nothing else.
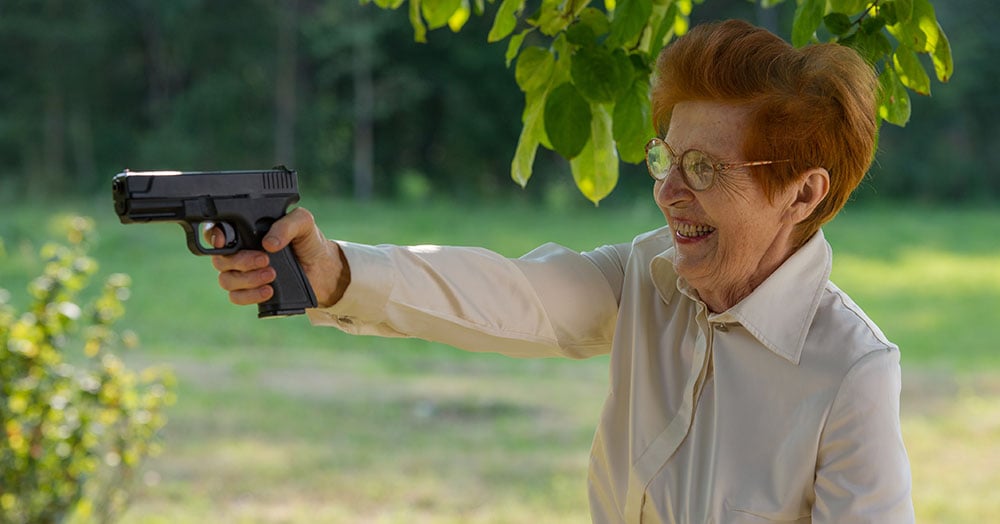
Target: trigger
(230, 234)
(208, 242)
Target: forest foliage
(342, 93)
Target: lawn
(277, 421)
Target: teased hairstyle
(815, 105)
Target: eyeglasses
(697, 167)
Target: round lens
(658, 159)
(699, 170)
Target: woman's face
(729, 237)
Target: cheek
(657, 191)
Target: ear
(811, 189)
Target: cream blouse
(784, 408)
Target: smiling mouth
(693, 231)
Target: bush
(75, 423)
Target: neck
(721, 296)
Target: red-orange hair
(814, 105)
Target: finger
(298, 226)
(213, 234)
(241, 261)
(246, 280)
(246, 297)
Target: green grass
(277, 421)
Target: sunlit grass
(955, 458)
(934, 304)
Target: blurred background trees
(341, 93)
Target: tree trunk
(364, 103)
(285, 84)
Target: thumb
(297, 228)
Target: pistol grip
(292, 292)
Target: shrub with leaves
(585, 65)
(75, 423)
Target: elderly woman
(745, 386)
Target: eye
(699, 169)
(659, 160)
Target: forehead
(713, 127)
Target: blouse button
(719, 326)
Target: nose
(672, 190)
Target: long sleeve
(863, 473)
(550, 302)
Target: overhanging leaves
(893, 100)
(534, 67)
(601, 54)
(808, 17)
(437, 12)
(601, 75)
(567, 120)
(595, 169)
(910, 71)
(505, 20)
(630, 17)
(632, 125)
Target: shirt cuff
(366, 296)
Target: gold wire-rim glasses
(698, 168)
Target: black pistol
(242, 204)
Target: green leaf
(595, 169)
(837, 23)
(661, 32)
(567, 120)
(437, 12)
(887, 12)
(903, 10)
(534, 67)
(458, 19)
(600, 74)
(632, 124)
(580, 34)
(923, 34)
(872, 24)
(388, 4)
(419, 30)
(528, 141)
(871, 47)
(514, 45)
(808, 17)
(554, 16)
(894, 101)
(849, 7)
(915, 31)
(630, 17)
(591, 24)
(944, 67)
(505, 20)
(910, 71)
(596, 20)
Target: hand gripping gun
(242, 204)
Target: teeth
(693, 230)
